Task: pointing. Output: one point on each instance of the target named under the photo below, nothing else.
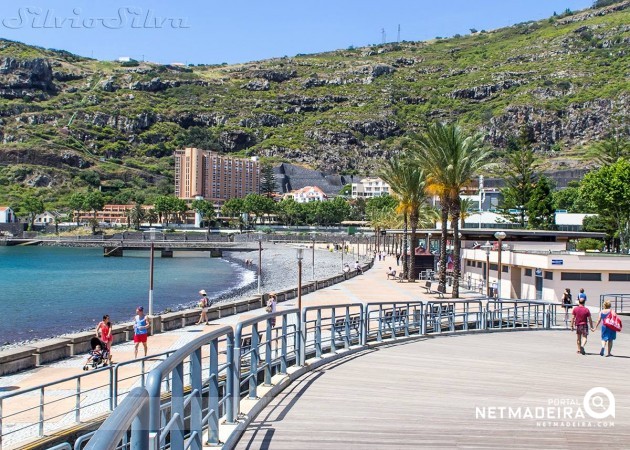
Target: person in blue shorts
(608, 334)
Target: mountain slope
(561, 82)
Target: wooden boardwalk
(427, 394)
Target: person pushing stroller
(98, 356)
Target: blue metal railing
(186, 395)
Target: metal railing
(503, 313)
(83, 397)
(619, 302)
(194, 387)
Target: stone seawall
(36, 353)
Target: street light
(151, 263)
(500, 235)
(259, 260)
(300, 256)
(487, 246)
(313, 260)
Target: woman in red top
(104, 333)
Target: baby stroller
(97, 357)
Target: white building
(307, 194)
(370, 187)
(7, 215)
(46, 218)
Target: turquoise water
(50, 291)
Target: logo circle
(598, 397)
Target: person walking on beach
(580, 321)
(608, 334)
(204, 304)
(140, 330)
(582, 295)
(567, 304)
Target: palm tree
(407, 181)
(450, 157)
(465, 206)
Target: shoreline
(278, 263)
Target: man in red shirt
(580, 320)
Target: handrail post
(177, 407)
(333, 319)
(301, 334)
(77, 402)
(140, 429)
(254, 357)
(213, 393)
(363, 325)
(318, 334)
(283, 356)
(196, 404)
(229, 382)
(268, 346)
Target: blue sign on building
(557, 262)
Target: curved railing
(187, 396)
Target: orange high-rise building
(215, 177)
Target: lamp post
(500, 235)
(151, 264)
(300, 256)
(259, 260)
(313, 258)
(487, 246)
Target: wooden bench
(354, 323)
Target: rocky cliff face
(561, 82)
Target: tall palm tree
(407, 181)
(450, 157)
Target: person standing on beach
(140, 330)
(608, 334)
(204, 303)
(580, 320)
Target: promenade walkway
(447, 391)
(371, 287)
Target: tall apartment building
(213, 176)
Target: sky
(234, 31)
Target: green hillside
(69, 122)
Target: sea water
(50, 291)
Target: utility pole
(398, 40)
(383, 35)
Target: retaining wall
(28, 357)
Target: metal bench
(391, 275)
(354, 323)
(395, 318)
(428, 289)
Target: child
(95, 356)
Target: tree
(203, 208)
(256, 205)
(407, 181)
(379, 211)
(75, 203)
(466, 205)
(332, 212)
(608, 191)
(610, 150)
(568, 199)
(346, 191)
(137, 215)
(267, 180)
(540, 209)
(165, 206)
(199, 137)
(520, 179)
(94, 201)
(290, 212)
(32, 206)
(602, 3)
(450, 157)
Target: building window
(494, 267)
(528, 272)
(619, 277)
(581, 276)
(479, 264)
(548, 275)
(504, 269)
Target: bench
(391, 275)
(395, 318)
(439, 312)
(246, 343)
(428, 289)
(354, 323)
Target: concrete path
(449, 391)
